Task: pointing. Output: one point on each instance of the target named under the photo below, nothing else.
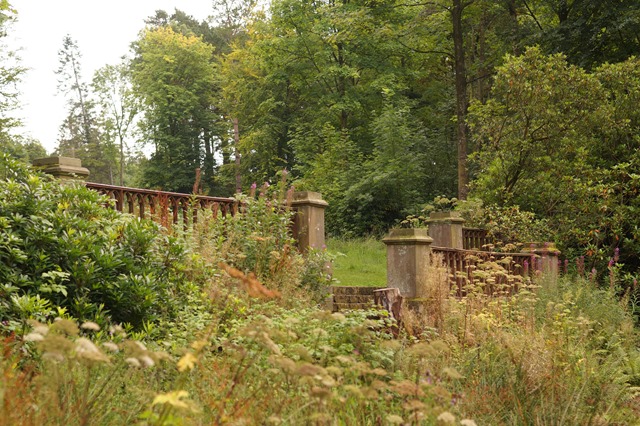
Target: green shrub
(63, 253)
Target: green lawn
(359, 262)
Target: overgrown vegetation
(247, 344)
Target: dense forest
(525, 107)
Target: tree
(588, 32)
(535, 128)
(10, 76)
(562, 142)
(79, 133)
(118, 107)
(312, 87)
(174, 76)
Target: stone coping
(415, 236)
(308, 198)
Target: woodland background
(528, 108)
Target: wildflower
(65, 326)
(41, 329)
(187, 362)
(274, 420)
(175, 399)
(146, 360)
(395, 419)
(338, 316)
(413, 405)
(270, 344)
(53, 356)
(447, 418)
(320, 393)
(616, 254)
(199, 344)
(33, 337)
(328, 381)
(110, 346)
(452, 373)
(307, 369)
(116, 329)
(38, 327)
(140, 345)
(133, 362)
(86, 349)
(91, 326)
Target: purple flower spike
(611, 263)
(616, 254)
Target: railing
(474, 238)
(490, 272)
(165, 207)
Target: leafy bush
(507, 226)
(62, 253)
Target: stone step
(351, 306)
(349, 298)
(362, 291)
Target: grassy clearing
(359, 262)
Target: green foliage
(508, 227)
(561, 143)
(258, 240)
(565, 351)
(590, 32)
(24, 149)
(174, 77)
(348, 118)
(61, 249)
(80, 133)
(117, 109)
(557, 350)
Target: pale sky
(103, 31)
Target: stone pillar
(308, 221)
(546, 257)
(446, 229)
(408, 255)
(64, 168)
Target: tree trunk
(236, 139)
(461, 97)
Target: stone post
(408, 254)
(546, 257)
(446, 229)
(308, 221)
(64, 168)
